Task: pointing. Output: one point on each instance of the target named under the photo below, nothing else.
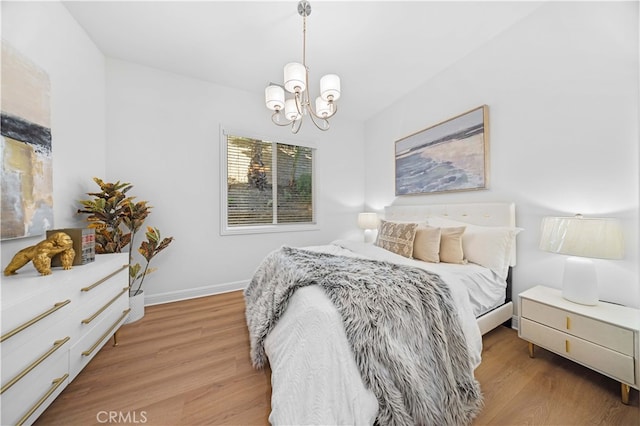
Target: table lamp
(582, 238)
(368, 222)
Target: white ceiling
(380, 50)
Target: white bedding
(326, 388)
(486, 290)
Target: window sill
(267, 229)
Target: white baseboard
(192, 293)
(515, 324)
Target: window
(267, 186)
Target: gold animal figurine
(41, 254)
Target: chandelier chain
(304, 41)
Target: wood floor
(187, 363)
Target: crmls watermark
(121, 417)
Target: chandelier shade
(323, 108)
(330, 87)
(296, 79)
(274, 97)
(291, 110)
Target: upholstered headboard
(484, 214)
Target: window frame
(225, 229)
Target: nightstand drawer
(601, 333)
(613, 364)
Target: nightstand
(604, 337)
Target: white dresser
(52, 326)
(604, 337)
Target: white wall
(163, 137)
(562, 89)
(45, 33)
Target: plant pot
(136, 303)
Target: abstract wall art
(449, 156)
(26, 168)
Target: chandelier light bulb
(277, 118)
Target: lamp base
(580, 283)
(368, 236)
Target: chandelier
(296, 76)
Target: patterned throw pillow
(397, 237)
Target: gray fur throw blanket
(400, 322)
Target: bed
(360, 333)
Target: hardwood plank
(187, 363)
(545, 390)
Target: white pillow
(488, 246)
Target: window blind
(268, 183)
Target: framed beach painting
(449, 156)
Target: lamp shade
(330, 87)
(585, 237)
(291, 110)
(274, 97)
(368, 220)
(323, 108)
(295, 77)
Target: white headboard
(484, 214)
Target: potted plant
(116, 219)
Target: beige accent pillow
(489, 246)
(451, 245)
(397, 237)
(426, 245)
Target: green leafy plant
(116, 219)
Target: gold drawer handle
(566, 346)
(568, 323)
(95, 345)
(101, 310)
(34, 320)
(97, 283)
(56, 345)
(56, 384)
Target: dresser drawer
(25, 358)
(95, 337)
(611, 363)
(91, 314)
(601, 333)
(29, 396)
(44, 318)
(94, 301)
(23, 323)
(96, 289)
